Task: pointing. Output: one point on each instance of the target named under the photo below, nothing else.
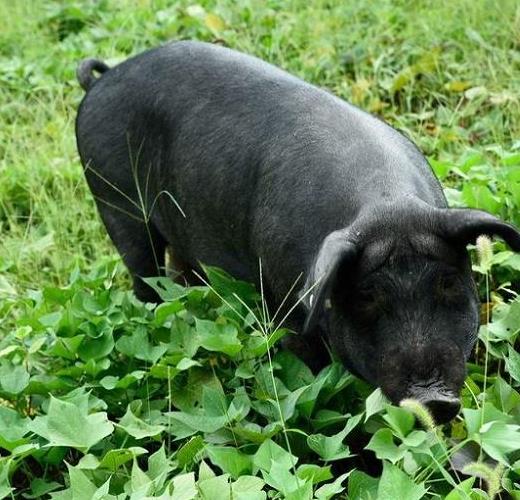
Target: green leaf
(215, 488)
(227, 286)
(328, 447)
(462, 491)
(508, 397)
(336, 379)
(314, 473)
(167, 289)
(130, 379)
(268, 453)
(362, 486)
(400, 420)
(293, 372)
(375, 403)
(50, 320)
(94, 368)
(182, 424)
(487, 413)
(255, 433)
(216, 337)
(137, 427)
(240, 405)
(139, 483)
(184, 338)
(67, 348)
(86, 305)
(88, 462)
(258, 344)
(81, 488)
(184, 487)
(186, 364)
(230, 460)
(13, 378)
(214, 401)
(287, 404)
(513, 259)
(188, 452)
(415, 439)
(5, 486)
(97, 347)
(280, 478)
(114, 458)
(327, 491)
(40, 488)
(158, 467)
(84, 400)
(325, 418)
(480, 196)
(309, 398)
(68, 425)
(166, 310)
(507, 325)
(441, 168)
(109, 382)
(513, 363)
(248, 488)
(394, 483)
(205, 471)
(138, 346)
(304, 492)
(331, 447)
(382, 444)
(143, 484)
(12, 428)
(498, 439)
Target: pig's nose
(443, 408)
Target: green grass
(447, 73)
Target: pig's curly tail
(85, 72)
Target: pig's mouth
(442, 402)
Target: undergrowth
(102, 396)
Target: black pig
(231, 161)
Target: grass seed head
(493, 477)
(420, 411)
(485, 252)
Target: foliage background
(185, 400)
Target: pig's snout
(433, 375)
(441, 403)
(443, 408)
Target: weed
(105, 397)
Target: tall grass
(446, 73)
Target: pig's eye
(369, 300)
(448, 286)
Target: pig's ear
(336, 251)
(465, 225)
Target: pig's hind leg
(118, 175)
(140, 245)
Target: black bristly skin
(410, 322)
(266, 166)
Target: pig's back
(250, 153)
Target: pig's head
(397, 298)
